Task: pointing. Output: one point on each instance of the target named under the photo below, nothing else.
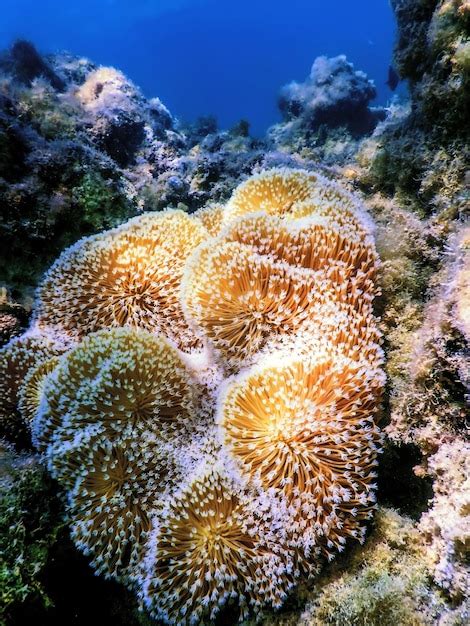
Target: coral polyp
(32, 388)
(291, 424)
(274, 192)
(314, 243)
(211, 217)
(117, 489)
(208, 552)
(127, 277)
(240, 299)
(115, 380)
(306, 428)
(268, 275)
(17, 359)
(213, 421)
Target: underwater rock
(62, 154)
(446, 526)
(115, 108)
(26, 64)
(422, 151)
(333, 94)
(328, 111)
(201, 128)
(433, 53)
(13, 317)
(430, 408)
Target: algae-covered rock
(385, 582)
(334, 93)
(324, 116)
(69, 132)
(424, 154)
(429, 406)
(43, 579)
(30, 520)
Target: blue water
(223, 57)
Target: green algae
(30, 521)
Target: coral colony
(204, 387)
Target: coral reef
(152, 437)
(219, 304)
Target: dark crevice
(79, 597)
(398, 485)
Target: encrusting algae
(213, 420)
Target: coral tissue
(204, 387)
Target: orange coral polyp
(211, 218)
(17, 359)
(288, 425)
(208, 549)
(312, 243)
(274, 192)
(241, 299)
(32, 388)
(117, 379)
(128, 277)
(113, 500)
